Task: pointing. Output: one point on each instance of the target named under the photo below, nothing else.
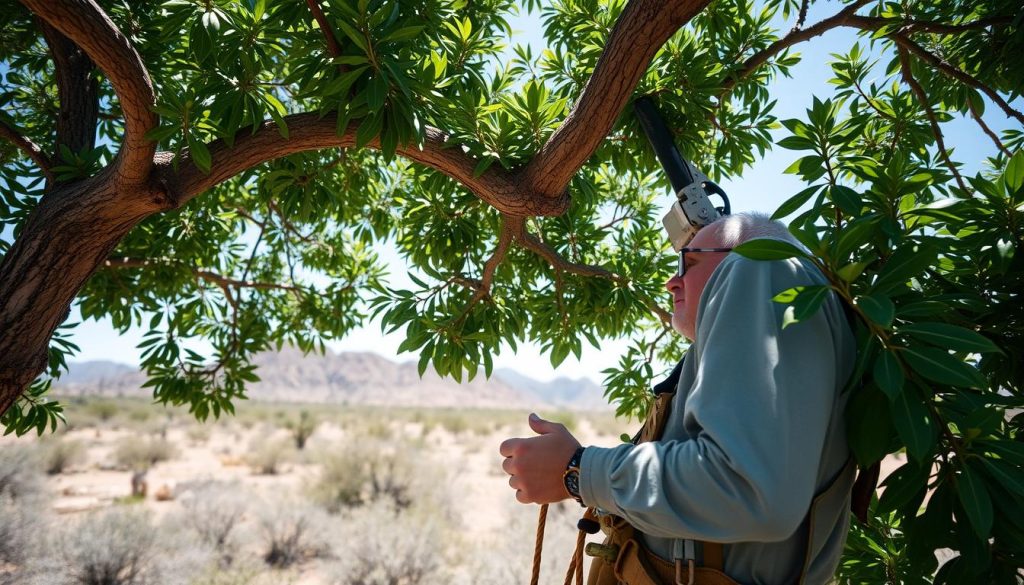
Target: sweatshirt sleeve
(762, 397)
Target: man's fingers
(515, 482)
(508, 465)
(521, 497)
(541, 426)
(508, 447)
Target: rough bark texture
(641, 30)
(77, 92)
(71, 232)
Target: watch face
(572, 482)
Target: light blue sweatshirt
(755, 431)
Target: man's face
(686, 290)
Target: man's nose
(674, 283)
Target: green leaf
(851, 271)
(906, 262)
(868, 425)
(1013, 176)
(1010, 477)
(795, 202)
(913, 424)
(200, 153)
(949, 336)
(976, 502)
(369, 128)
(403, 33)
(353, 35)
(888, 374)
(847, 199)
(901, 486)
(769, 249)
(807, 302)
(878, 308)
(939, 366)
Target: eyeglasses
(684, 251)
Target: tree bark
(70, 233)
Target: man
(754, 433)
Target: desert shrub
(23, 521)
(302, 428)
(266, 456)
(382, 545)
(368, 471)
(58, 454)
(198, 434)
(117, 546)
(507, 557)
(20, 474)
(214, 512)
(143, 453)
(103, 410)
(291, 533)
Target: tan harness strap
(714, 555)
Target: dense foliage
(928, 256)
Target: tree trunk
(70, 233)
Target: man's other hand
(536, 464)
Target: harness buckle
(679, 572)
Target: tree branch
(912, 26)
(312, 132)
(220, 280)
(795, 36)
(956, 73)
(77, 92)
(801, 17)
(31, 149)
(984, 128)
(333, 47)
(922, 97)
(638, 34)
(84, 23)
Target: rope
(541, 521)
(576, 564)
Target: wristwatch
(571, 477)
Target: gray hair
(741, 227)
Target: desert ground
(136, 493)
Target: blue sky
(762, 187)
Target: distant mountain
(357, 378)
(581, 394)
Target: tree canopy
(226, 169)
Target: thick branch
(795, 36)
(77, 92)
(640, 31)
(31, 149)
(311, 132)
(84, 23)
(956, 73)
(922, 97)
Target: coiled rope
(575, 564)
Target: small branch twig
(31, 149)
(922, 97)
(795, 36)
(984, 128)
(956, 73)
(801, 17)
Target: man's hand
(537, 464)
